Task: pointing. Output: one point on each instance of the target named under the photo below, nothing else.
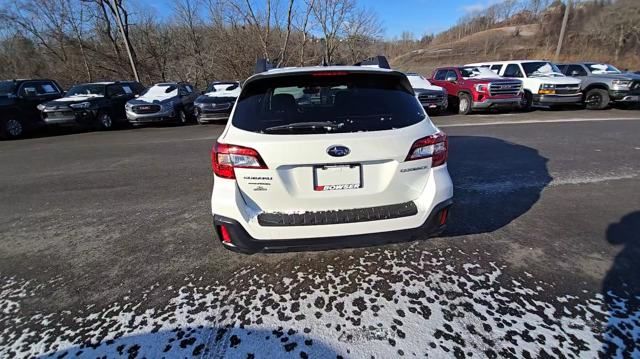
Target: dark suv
(18, 104)
(99, 104)
(217, 102)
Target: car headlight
(81, 105)
(481, 87)
(548, 87)
(621, 83)
(128, 106)
(41, 107)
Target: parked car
(544, 84)
(357, 161)
(217, 101)
(163, 102)
(473, 88)
(19, 100)
(603, 84)
(433, 98)
(98, 104)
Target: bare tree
(331, 16)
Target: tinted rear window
(356, 102)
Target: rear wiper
(326, 125)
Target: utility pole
(125, 39)
(565, 19)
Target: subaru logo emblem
(338, 151)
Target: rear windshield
(345, 102)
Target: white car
(543, 82)
(325, 157)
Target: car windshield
(161, 90)
(223, 86)
(541, 68)
(341, 101)
(603, 69)
(7, 88)
(474, 71)
(87, 90)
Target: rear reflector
(435, 146)
(443, 216)
(224, 234)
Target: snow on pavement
(385, 303)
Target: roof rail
(263, 65)
(379, 61)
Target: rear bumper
(496, 103)
(242, 242)
(557, 99)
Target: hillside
(604, 31)
(501, 43)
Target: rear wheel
(597, 99)
(13, 128)
(464, 104)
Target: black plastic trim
(242, 242)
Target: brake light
(225, 158)
(435, 146)
(329, 73)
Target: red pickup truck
(473, 88)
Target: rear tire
(464, 104)
(12, 128)
(596, 99)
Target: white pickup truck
(543, 82)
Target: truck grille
(505, 88)
(567, 89)
(337, 217)
(145, 109)
(431, 97)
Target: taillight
(225, 158)
(434, 146)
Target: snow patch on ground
(386, 303)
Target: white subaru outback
(325, 157)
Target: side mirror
(451, 79)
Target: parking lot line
(523, 122)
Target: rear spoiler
(376, 61)
(263, 65)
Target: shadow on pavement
(621, 290)
(200, 342)
(495, 182)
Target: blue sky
(417, 16)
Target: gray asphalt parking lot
(107, 249)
